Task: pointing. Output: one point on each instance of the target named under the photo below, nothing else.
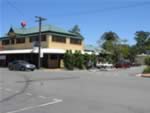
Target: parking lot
(87, 91)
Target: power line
(89, 12)
(14, 7)
(92, 12)
(19, 11)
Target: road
(94, 91)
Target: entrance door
(54, 61)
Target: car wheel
(32, 69)
(10, 68)
(23, 69)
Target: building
(140, 59)
(21, 44)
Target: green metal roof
(95, 49)
(44, 28)
(89, 48)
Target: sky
(94, 17)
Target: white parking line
(29, 94)
(37, 106)
(7, 89)
(42, 97)
(16, 91)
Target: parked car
(104, 65)
(21, 65)
(123, 64)
(135, 64)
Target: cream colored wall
(26, 45)
(46, 44)
(65, 46)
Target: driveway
(94, 91)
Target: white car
(104, 65)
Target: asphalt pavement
(87, 91)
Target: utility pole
(39, 20)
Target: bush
(78, 60)
(146, 70)
(147, 61)
(93, 59)
(69, 60)
(86, 60)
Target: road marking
(17, 91)
(7, 89)
(43, 97)
(55, 101)
(29, 94)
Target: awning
(35, 50)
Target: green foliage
(142, 41)
(69, 60)
(93, 58)
(118, 48)
(111, 44)
(87, 58)
(110, 36)
(132, 53)
(75, 29)
(78, 60)
(147, 61)
(146, 70)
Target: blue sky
(93, 16)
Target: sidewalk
(146, 75)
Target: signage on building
(41, 55)
(2, 57)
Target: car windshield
(22, 62)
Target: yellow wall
(47, 44)
(26, 45)
(65, 46)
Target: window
(35, 38)
(5, 42)
(75, 41)
(43, 38)
(20, 40)
(59, 39)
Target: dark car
(21, 65)
(135, 64)
(123, 64)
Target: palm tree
(110, 36)
(109, 41)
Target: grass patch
(146, 70)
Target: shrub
(86, 60)
(93, 59)
(69, 60)
(78, 60)
(147, 61)
(146, 70)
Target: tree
(75, 29)
(78, 60)
(69, 60)
(133, 53)
(142, 41)
(110, 36)
(109, 41)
